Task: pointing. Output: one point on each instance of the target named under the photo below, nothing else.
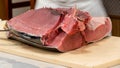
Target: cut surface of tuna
(97, 28)
(35, 22)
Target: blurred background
(11, 8)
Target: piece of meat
(97, 29)
(67, 36)
(63, 29)
(75, 21)
(36, 22)
(64, 42)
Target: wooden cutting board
(102, 54)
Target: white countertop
(13, 61)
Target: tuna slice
(62, 29)
(36, 22)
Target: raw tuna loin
(62, 29)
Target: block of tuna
(61, 29)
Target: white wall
(18, 11)
(14, 1)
